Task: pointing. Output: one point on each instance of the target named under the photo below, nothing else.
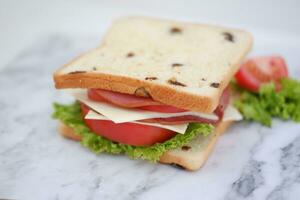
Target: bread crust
(68, 132)
(192, 163)
(185, 161)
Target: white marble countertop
(249, 162)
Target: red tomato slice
(256, 71)
(131, 101)
(128, 133)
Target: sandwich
(154, 89)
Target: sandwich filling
(141, 121)
(142, 103)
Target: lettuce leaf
(71, 116)
(268, 103)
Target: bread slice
(180, 64)
(191, 156)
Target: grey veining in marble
(249, 162)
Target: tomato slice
(131, 101)
(127, 133)
(256, 71)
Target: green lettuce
(71, 116)
(267, 103)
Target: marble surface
(249, 162)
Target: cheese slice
(231, 114)
(120, 115)
(179, 128)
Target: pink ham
(180, 120)
(131, 101)
(219, 111)
(224, 101)
(121, 99)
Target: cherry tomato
(256, 71)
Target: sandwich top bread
(179, 64)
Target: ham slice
(131, 101)
(219, 111)
(180, 120)
(224, 101)
(120, 99)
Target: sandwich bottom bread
(191, 156)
